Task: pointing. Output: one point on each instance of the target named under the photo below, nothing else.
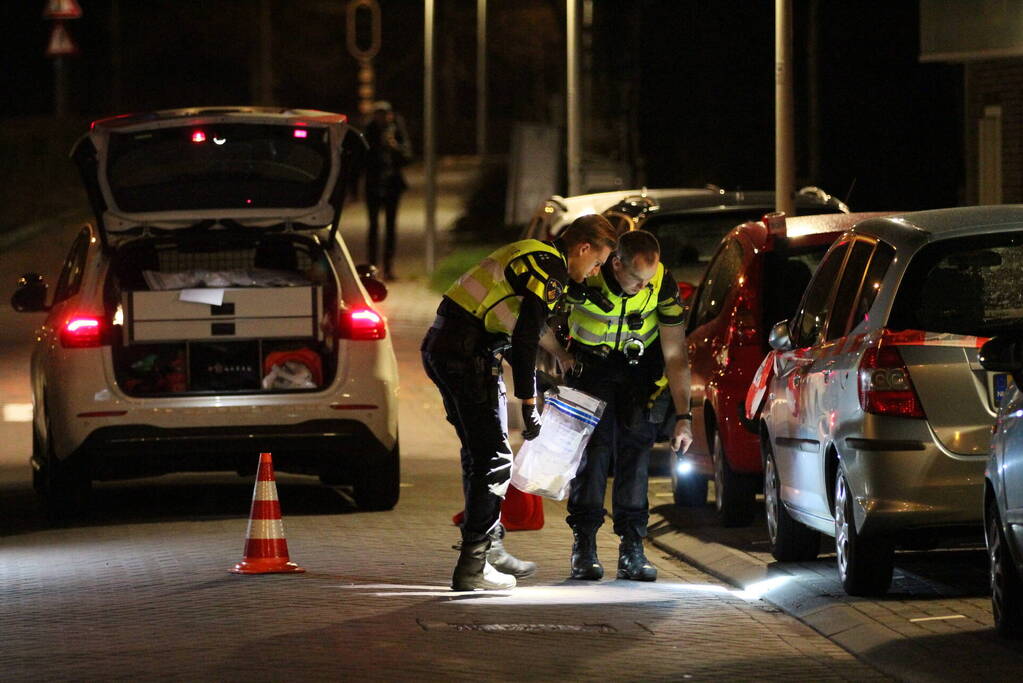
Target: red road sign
(61, 43)
(62, 9)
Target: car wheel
(378, 484)
(66, 485)
(864, 564)
(735, 494)
(689, 489)
(38, 473)
(790, 540)
(1006, 586)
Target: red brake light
(300, 133)
(362, 323)
(885, 386)
(81, 332)
(198, 136)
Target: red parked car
(756, 278)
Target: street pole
(481, 77)
(266, 78)
(115, 55)
(59, 88)
(784, 171)
(429, 151)
(573, 124)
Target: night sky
(688, 84)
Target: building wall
(996, 82)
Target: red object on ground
(266, 549)
(306, 357)
(519, 511)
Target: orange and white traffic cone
(266, 549)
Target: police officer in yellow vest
(497, 310)
(622, 350)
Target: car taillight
(82, 331)
(885, 387)
(362, 323)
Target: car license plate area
(998, 384)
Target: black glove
(530, 422)
(546, 382)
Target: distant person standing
(389, 151)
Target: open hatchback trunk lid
(242, 166)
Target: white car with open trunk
(213, 311)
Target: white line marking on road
(17, 412)
(947, 616)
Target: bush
(453, 265)
(38, 180)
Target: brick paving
(934, 623)
(118, 599)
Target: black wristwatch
(685, 416)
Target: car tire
(1006, 586)
(865, 564)
(689, 490)
(735, 494)
(378, 483)
(790, 540)
(38, 473)
(65, 485)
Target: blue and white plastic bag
(546, 465)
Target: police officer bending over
(626, 342)
(498, 309)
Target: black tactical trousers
(474, 399)
(623, 437)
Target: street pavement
(140, 588)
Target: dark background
(679, 91)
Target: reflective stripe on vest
(486, 293)
(589, 325)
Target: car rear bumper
(337, 447)
(912, 485)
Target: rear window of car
(688, 241)
(968, 285)
(218, 166)
(786, 275)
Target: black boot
(505, 562)
(585, 565)
(632, 563)
(474, 573)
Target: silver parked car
(876, 422)
(1003, 485)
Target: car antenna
(849, 193)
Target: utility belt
(456, 331)
(631, 352)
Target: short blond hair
(592, 229)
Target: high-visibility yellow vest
(591, 326)
(485, 292)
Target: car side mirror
(30, 296)
(376, 289)
(780, 338)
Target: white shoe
(488, 580)
(494, 580)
